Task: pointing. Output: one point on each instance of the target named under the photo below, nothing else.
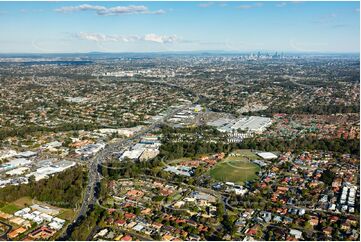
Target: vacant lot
(237, 169)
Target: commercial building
(44, 172)
(14, 163)
(248, 124)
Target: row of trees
(81, 232)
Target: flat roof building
(267, 155)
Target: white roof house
(38, 219)
(22, 211)
(28, 216)
(296, 233)
(267, 155)
(59, 220)
(55, 225)
(46, 217)
(138, 227)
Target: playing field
(236, 169)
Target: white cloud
(328, 18)
(249, 6)
(206, 5)
(160, 38)
(97, 37)
(104, 11)
(281, 4)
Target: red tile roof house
(157, 225)
(109, 220)
(165, 192)
(42, 233)
(127, 238)
(282, 190)
(120, 222)
(291, 238)
(202, 228)
(328, 231)
(334, 219)
(130, 216)
(135, 193)
(179, 221)
(313, 221)
(111, 210)
(251, 232)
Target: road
(90, 194)
(4, 235)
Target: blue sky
(39, 27)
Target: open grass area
(10, 208)
(24, 202)
(237, 169)
(67, 214)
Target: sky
(73, 27)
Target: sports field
(237, 169)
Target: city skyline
(78, 27)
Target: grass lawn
(10, 208)
(24, 202)
(236, 169)
(175, 197)
(67, 214)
